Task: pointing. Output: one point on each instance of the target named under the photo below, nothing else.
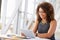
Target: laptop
(28, 33)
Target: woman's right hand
(22, 34)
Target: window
(0, 9)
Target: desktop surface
(19, 38)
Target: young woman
(45, 23)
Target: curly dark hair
(48, 9)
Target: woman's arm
(35, 26)
(50, 31)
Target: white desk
(4, 37)
(36, 39)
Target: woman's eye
(41, 12)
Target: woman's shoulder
(36, 20)
(53, 22)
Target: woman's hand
(35, 34)
(22, 34)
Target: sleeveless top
(43, 28)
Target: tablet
(28, 33)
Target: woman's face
(42, 13)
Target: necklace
(43, 22)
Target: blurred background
(21, 14)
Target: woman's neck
(44, 21)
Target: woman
(45, 23)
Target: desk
(36, 39)
(4, 37)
